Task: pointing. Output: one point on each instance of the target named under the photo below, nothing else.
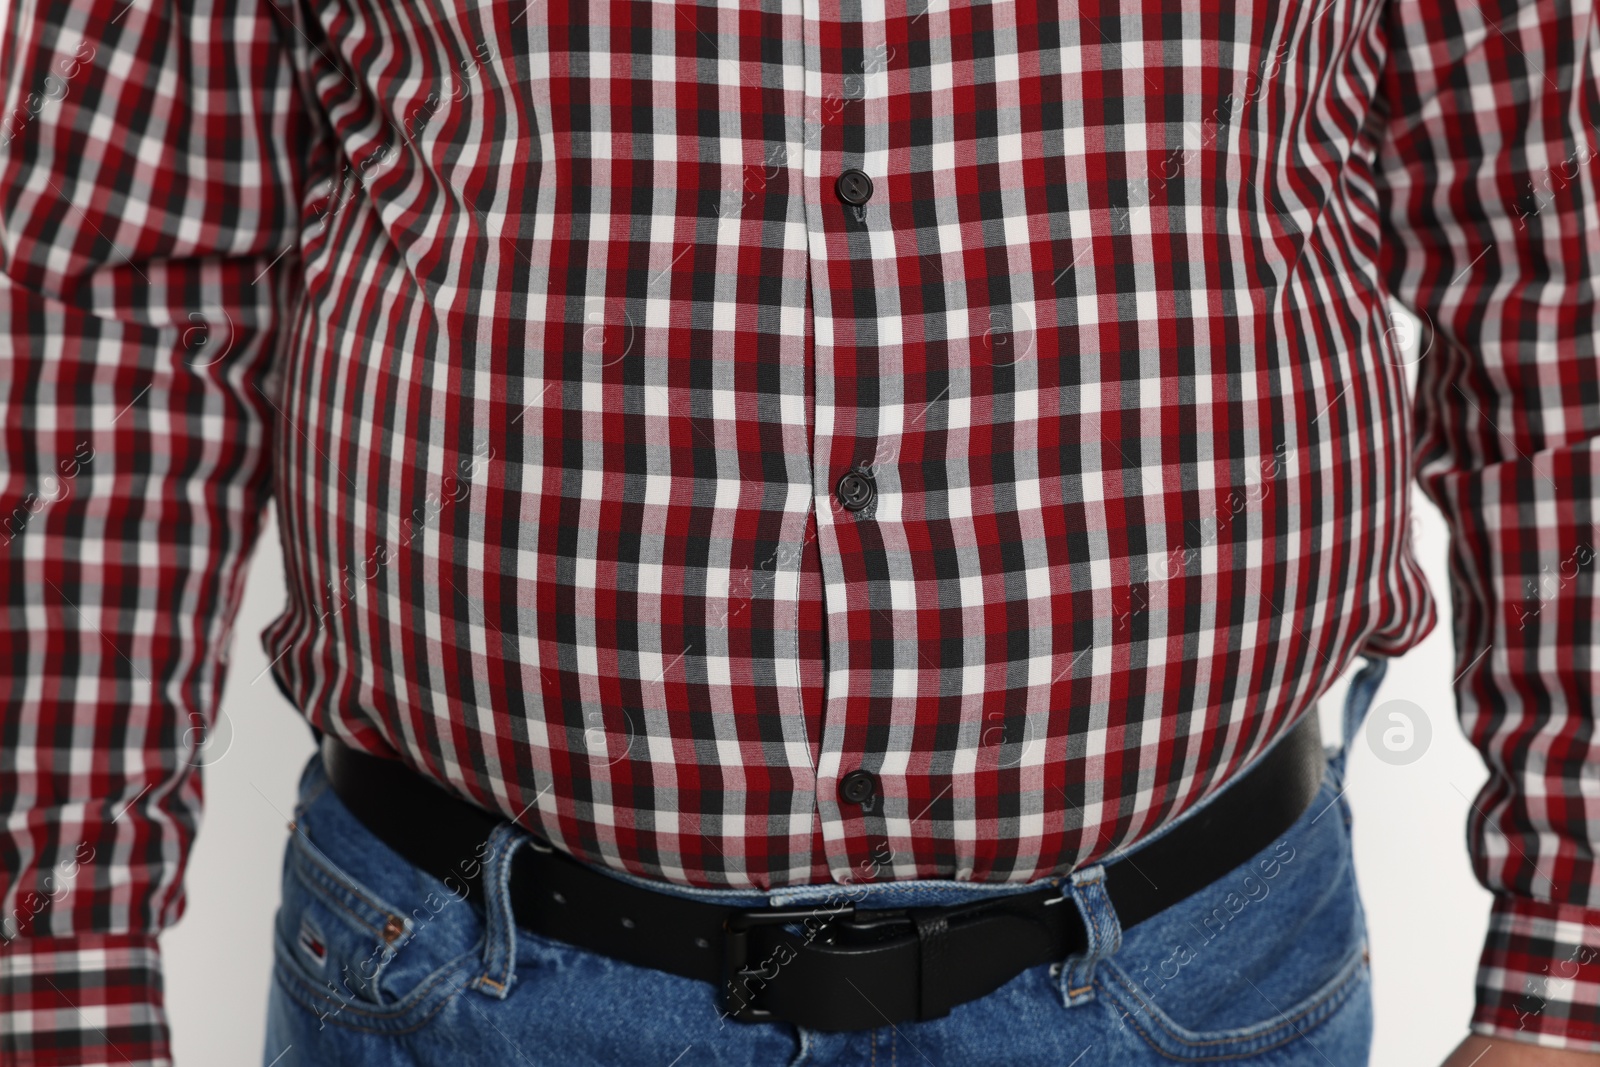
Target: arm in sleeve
(150, 154)
(1490, 192)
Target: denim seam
(1086, 893)
(1241, 1054)
(410, 1028)
(407, 1003)
(501, 931)
(941, 890)
(1090, 902)
(331, 899)
(330, 894)
(821, 890)
(1337, 988)
(305, 993)
(1020, 887)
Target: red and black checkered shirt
(672, 408)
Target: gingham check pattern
(546, 330)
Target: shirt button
(856, 490)
(858, 787)
(854, 187)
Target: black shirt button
(854, 187)
(858, 787)
(856, 490)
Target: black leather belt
(832, 966)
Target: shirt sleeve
(150, 154)
(1492, 236)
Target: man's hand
(1478, 1051)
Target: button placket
(852, 359)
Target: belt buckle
(736, 954)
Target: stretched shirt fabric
(554, 334)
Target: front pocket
(348, 949)
(334, 1000)
(1280, 1025)
(1265, 956)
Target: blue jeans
(379, 964)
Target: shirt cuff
(85, 1001)
(1539, 976)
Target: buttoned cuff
(84, 1001)
(1539, 976)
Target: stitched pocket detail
(345, 951)
(345, 980)
(357, 905)
(331, 1006)
(1281, 1024)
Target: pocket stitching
(341, 884)
(1158, 1050)
(1338, 987)
(304, 992)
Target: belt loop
(500, 926)
(1357, 700)
(1087, 889)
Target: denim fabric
(1363, 687)
(379, 964)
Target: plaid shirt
(674, 408)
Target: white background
(1426, 913)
